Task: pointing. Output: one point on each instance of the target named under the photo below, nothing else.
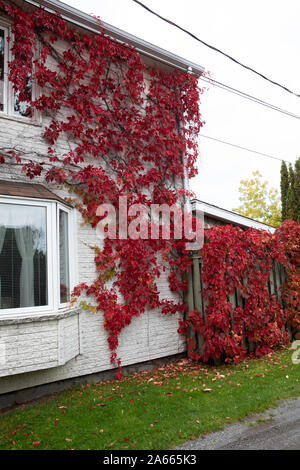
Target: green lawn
(154, 410)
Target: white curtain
(2, 238)
(24, 239)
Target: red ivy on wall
(128, 127)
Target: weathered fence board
(195, 298)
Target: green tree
(259, 201)
(290, 191)
(291, 196)
(284, 186)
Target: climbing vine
(289, 235)
(238, 263)
(129, 129)
(115, 127)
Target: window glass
(2, 39)
(23, 256)
(64, 257)
(22, 108)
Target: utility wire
(229, 143)
(228, 88)
(216, 49)
(244, 148)
(242, 94)
(205, 79)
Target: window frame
(5, 27)
(8, 94)
(53, 274)
(71, 251)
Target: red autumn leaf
(36, 443)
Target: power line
(242, 94)
(216, 49)
(222, 141)
(205, 79)
(232, 90)
(224, 87)
(245, 148)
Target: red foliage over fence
(234, 260)
(289, 234)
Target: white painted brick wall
(150, 336)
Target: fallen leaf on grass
(207, 390)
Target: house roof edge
(90, 23)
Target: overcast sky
(263, 34)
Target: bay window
(35, 255)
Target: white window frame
(71, 253)
(8, 95)
(4, 27)
(53, 274)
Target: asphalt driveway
(276, 429)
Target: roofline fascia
(90, 23)
(226, 215)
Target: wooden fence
(195, 299)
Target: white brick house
(41, 340)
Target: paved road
(278, 432)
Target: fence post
(198, 297)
